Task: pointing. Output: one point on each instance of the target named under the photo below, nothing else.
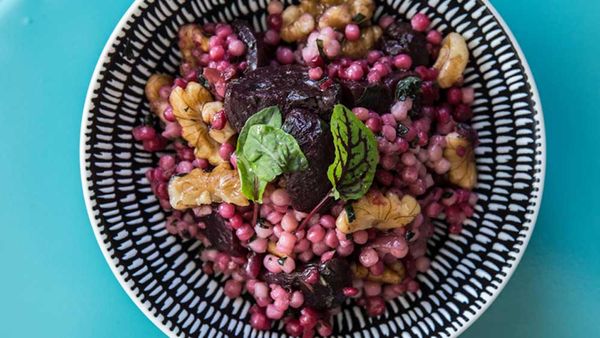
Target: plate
(159, 271)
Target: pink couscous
(310, 159)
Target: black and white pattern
(159, 271)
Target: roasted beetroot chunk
(322, 284)
(306, 188)
(400, 38)
(285, 86)
(221, 235)
(377, 97)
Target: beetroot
(221, 235)
(285, 86)
(377, 97)
(321, 293)
(400, 38)
(306, 188)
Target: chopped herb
(281, 260)
(408, 88)
(401, 130)
(359, 18)
(149, 119)
(203, 81)
(261, 222)
(322, 50)
(415, 142)
(350, 212)
(324, 79)
(447, 194)
(409, 235)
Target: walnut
(336, 17)
(461, 155)
(360, 48)
(452, 60)
(190, 37)
(389, 276)
(158, 104)
(374, 210)
(366, 8)
(199, 187)
(187, 106)
(209, 109)
(312, 7)
(296, 25)
(299, 21)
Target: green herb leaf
(270, 116)
(401, 129)
(252, 187)
(264, 151)
(271, 152)
(356, 155)
(203, 81)
(350, 212)
(359, 18)
(322, 50)
(408, 88)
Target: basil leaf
(408, 88)
(270, 116)
(264, 151)
(271, 152)
(252, 187)
(356, 155)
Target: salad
(310, 159)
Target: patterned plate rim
(136, 8)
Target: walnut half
(296, 25)
(360, 48)
(375, 210)
(199, 187)
(187, 107)
(452, 60)
(461, 155)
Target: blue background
(55, 282)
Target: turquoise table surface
(54, 281)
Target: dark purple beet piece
(376, 97)
(285, 86)
(328, 291)
(324, 293)
(308, 187)
(399, 37)
(258, 54)
(221, 235)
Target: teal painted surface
(55, 282)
